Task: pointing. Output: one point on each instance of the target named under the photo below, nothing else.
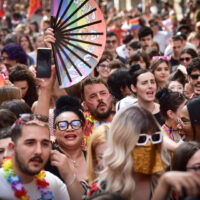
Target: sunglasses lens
(142, 139)
(156, 137)
(186, 59)
(26, 117)
(195, 76)
(42, 118)
(111, 41)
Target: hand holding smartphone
(43, 63)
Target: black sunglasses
(194, 76)
(187, 59)
(111, 41)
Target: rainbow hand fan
(80, 33)
(2, 80)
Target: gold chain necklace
(75, 165)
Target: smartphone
(43, 69)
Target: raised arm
(43, 104)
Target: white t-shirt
(168, 50)
(33, 55)
(122, 51)
(162, 38)
(56, 186)
(126, 101)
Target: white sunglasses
(155, 138)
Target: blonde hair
(16, 130)
(98, 137)
(37, 122)
(123, 135)
(192, 36)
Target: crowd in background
(129, 131)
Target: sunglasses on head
(194, 76)
(64, 125)
(155, 138)
(167, 58)
(29, 117)
(26, 117)
(186, 59)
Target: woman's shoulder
(156, 108)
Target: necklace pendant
(75, 164)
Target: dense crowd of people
(129, 131)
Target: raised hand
(49, 37)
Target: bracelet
(72, 182)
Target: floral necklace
(88, 127)
(17, 186)
(90, 124)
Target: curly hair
(21, 73)
(15, 52)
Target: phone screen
(43, 63)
